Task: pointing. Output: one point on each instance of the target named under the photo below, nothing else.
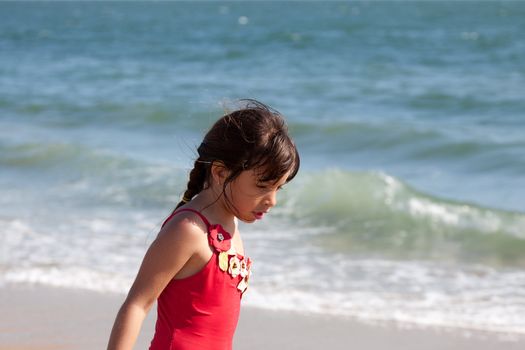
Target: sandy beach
(38, 317)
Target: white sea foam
(419, 293)
(69, 277)
(404, 293)
(290, 271)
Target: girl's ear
(219, 172)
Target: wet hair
(253, 137)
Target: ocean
(409, 117)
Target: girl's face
(252, 198)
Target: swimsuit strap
(188, 209)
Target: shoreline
(43, 317)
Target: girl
(196, 268)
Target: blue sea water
(409, 116)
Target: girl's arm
(173, 247)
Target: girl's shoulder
(184, 224)
(177, 241)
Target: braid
(196, 182)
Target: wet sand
(38, 317)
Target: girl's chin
(248, 220)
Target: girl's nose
(271, 201)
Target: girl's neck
(216, 213)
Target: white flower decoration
(235, 266)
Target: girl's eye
(265, 187)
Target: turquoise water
(409, 117)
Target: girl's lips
(259, 214)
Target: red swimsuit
(201, 311)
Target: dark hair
(253, 137)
